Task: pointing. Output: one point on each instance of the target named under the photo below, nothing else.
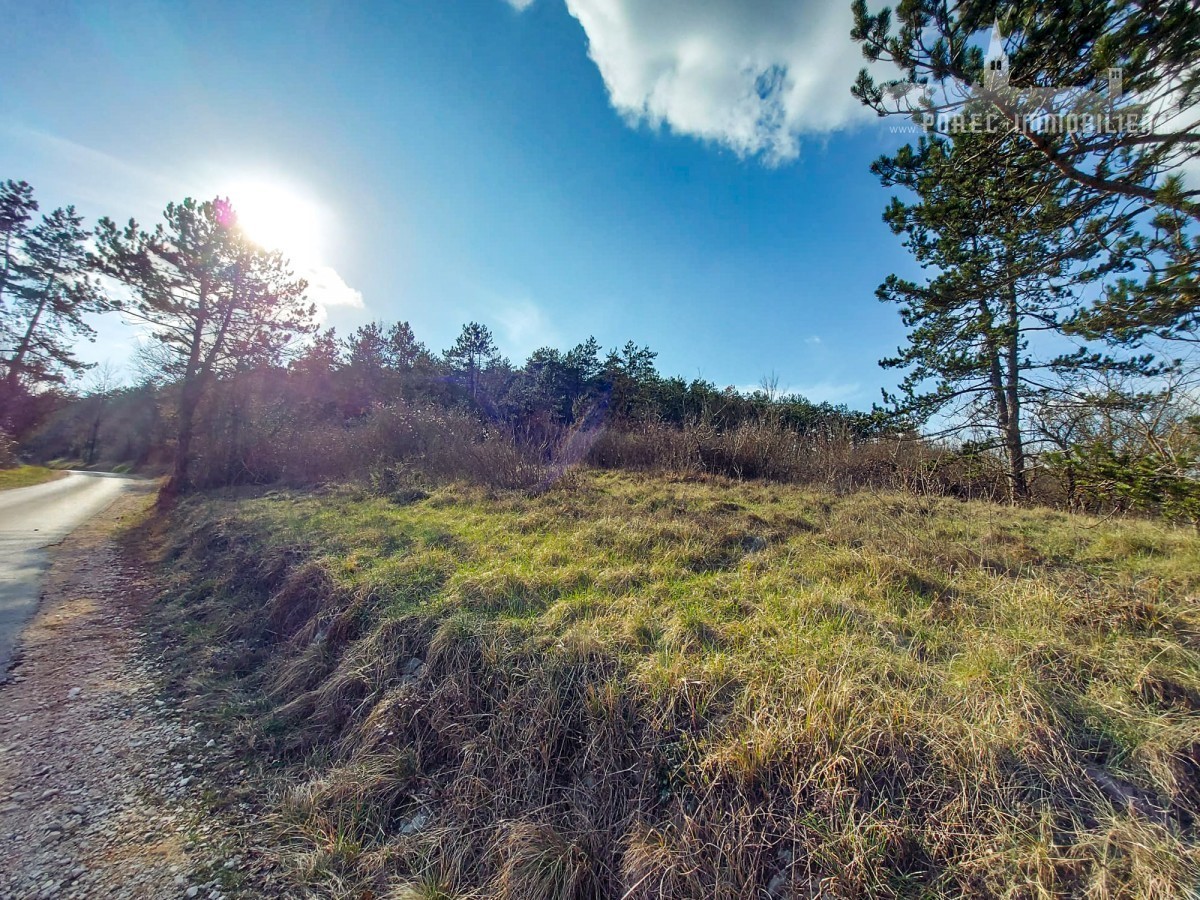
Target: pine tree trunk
(1000, 396)
(12, 379)
(234, 450)
(179, 481)
(4, 273)
(1013, 439)
(92, 439)
(189, 399)
(17, 363)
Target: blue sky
(690, 175)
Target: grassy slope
(685, 688)
(24, 476)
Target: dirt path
(103, 784)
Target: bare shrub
(831, 458)
(429, 440)
(402, 447)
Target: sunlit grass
(25, 476)
(1001, 681)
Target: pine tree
(1063, 58)
(367, 365)
(632, 378)
(472, 352)
(50, 292)
(1069, 47)
(17, 207)
(321, 357)
(404, 352)
(994, 229)
(214, 300)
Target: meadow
(641, 686)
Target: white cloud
(814, 340)
(520, 5)
(78, 174)
(752, 76)
(327, 288)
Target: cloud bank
(751, 75)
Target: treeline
(1048, 355)
(238, 386)
(379, 400)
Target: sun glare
(278, 218)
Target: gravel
(103, 781)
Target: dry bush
(395, 445)
(430, 440)
(832, 459)
(540, 864)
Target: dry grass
(646, 687)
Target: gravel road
(108, 787)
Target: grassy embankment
(643, 688)
(25, 476)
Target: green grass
(24, 476)
(870, 694)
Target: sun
(278, 218)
